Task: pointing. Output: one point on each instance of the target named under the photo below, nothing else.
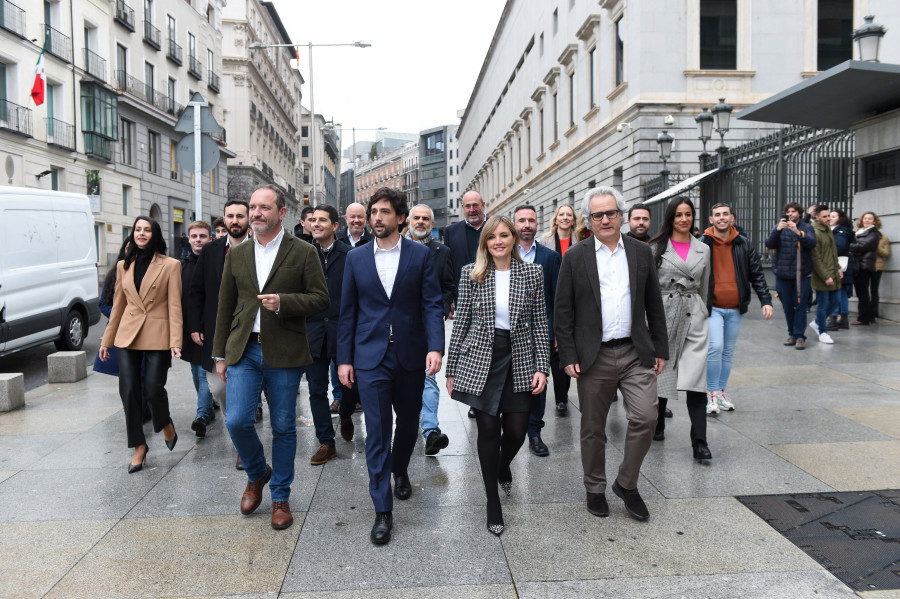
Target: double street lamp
(312, 106)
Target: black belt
(255, 337)
(616, 342)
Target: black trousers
(696, 407)
(561, 380)
(133, 390)
(867, 292)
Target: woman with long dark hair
(683, 266)
(865, 250)
(842, 228)
(145, 325)
(499, 353)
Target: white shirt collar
(599, 244)
(395, 248)
(274, 243)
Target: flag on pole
(37, 90)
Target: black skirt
(497, 395)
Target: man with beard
(421, 221)
(390, 326)
(356, 233)
(204, 299)
(525, 221)
(462, 237)
(269, 287)
(639, 222)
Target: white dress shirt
(530, 254)
(501, 299)
(264, 256)
(615, 290)
(386, 263)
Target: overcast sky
(420, 70)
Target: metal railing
(12, 18)
(151, 35)
(173, 51)
(60, 133)
(97, 146)
(57, 44)
(146, 93)
(95, 65)
(124, 15)
(195, 67)
(212, 81)
(15, 118)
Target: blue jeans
(430, 398)
(724, 326)
(317, 378)
(335, 383)
(828, 300)
(842, 305)
(245, 381)
(204, 397)
(794, 310)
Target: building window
(304, 151)
(212, 179)
(126, 199)
(121, 61)
(153, 152)
(127, 141)
(304, 131)
(434, 144)
(572, 99)
(173, 161)
(541, 130)
(54, 178)
(149, 77)
(99, 119)
(718, 34)
(555, 116)
(527, 145)
(620, 53)
(835, 33)
(171, 90)
(542, 44)
(592, 66)
(555, 20)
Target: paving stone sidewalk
(73, 523)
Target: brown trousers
(616, 368)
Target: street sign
(208, 123)
(209, 151)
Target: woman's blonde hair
(859, 223)
(582, 230)
(484, 261)
(576, 218)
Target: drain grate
(854, 535)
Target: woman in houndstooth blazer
(683, 265)
(499, 354)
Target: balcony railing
(57, 44)
(60, 134)
(95, 65)
(195, 67)
(151, 35)
(173, 51)
(145, 93)
(124, 15)
(12, 18)
(97, 146)
(212, 81)
(15, 118)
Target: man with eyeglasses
(608, 283)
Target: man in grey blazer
(608, 285)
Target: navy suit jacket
(322, 328)
(455, 239)
(549, 261)
(413, 312)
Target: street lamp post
(340, 127)
(664, 145)
(722, 115)
(312, 106)
(868, 39)
(705, 125)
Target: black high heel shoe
(132, 468)
(171, 444)
(496, 527)
(505, 481)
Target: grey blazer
(472, 340)
(578, 322)
(684, 285)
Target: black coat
(190, 352)
(321, 329)
(443, 266)
(865, 248)
(366, 238)
(747, 270)
(203, 304)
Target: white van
(48, 269)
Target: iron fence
(57, 43)
(15, 118)
(124, 15)
(12, 18)
(95, 64)
(151, 35)
(60, 133)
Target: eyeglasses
(610, 214)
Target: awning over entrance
(681, 187)
(835, 99)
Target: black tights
(696, 406)
(499, 440)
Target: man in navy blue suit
(391, 323)
(462, 237)
(525, 221)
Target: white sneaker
(824, 337)
(724, 403)
(712, 404)
(814, 327)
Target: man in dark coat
(462, 237)
(198, 236)
(356, 233)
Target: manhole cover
(854, 535)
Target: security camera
(669, 120)
(621, 127)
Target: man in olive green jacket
(268, 289)
(826, 275)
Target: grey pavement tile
(433, 546)
(167, 557)
(800, 426)
(754, 585)
(21, 451)
(802, 397)
(192, 489)
(881, 418)
(487, 591)
(82, 494)
(846, 466)
(876, 371)
(682, 537)
(29, 421)
(4, 474)
(778, 374)
(35, 555)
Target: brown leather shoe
(253, 493)
(347, 429)
(281, 515)
(335, 407)
(323, 454)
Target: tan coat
(152, 319)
